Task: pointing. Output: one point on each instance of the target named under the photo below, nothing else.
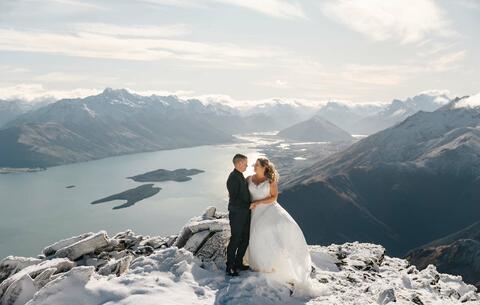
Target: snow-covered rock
(187, 269)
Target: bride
(277, 244)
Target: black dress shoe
(232, 271)
(242, 267)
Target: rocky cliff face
(187, 268)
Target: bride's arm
(273, 195)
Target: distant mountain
(346, 116)
(457, 253)
(399, 110)
(8, 111)
(277, 115)
(421, 173)
(11, 109)
(111, 123)
(315, 129)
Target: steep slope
(384, 187)
(457, 253)
(399, 110)
(111, 123)
(315, 129)
(188, 268)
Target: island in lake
(132, 196)
(16, 170)
(160, 175)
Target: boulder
(53, 248)
(12, 264)
(84, 246)
(58, 264)
(387, 296)
(206, 237)
(116, 266)
(19, 292)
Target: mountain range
(367, 119)
(117, 121)
(111, 123)
(402, 187)
(398, 110)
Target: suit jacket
(238, 193)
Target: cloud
(76, 4)
(32, 92)
(63, 77)
(469, 102)
(446, 62)
(9, 69)
(134, 31)
(274, 8)
(407, 21)
(106, 44)
(389, 75)
(469, 4)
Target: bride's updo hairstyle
(270, 171)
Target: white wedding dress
(277, 244)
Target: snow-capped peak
(469, 102)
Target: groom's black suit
(239, 216)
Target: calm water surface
(38, 209)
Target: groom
(239, 216)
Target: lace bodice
(260, 191)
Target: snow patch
(469, 102)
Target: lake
(38, 209)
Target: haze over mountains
(367, 119)
(421, 173)
(119, 122)
(11, 109)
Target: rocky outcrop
(123, 265)
(21, 277)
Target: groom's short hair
(238, 157)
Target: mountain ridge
(421, 164)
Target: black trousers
(240, 230)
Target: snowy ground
(133, 269)
(174, 276)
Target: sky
(358, 51)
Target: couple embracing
(261, 229)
